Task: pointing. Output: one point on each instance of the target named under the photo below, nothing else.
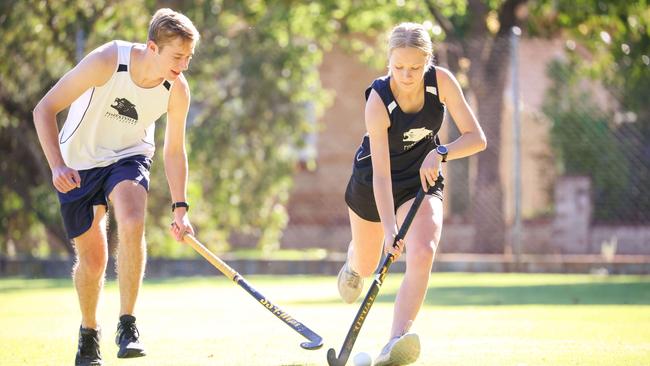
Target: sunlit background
(560, 88)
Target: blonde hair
(411, 35)
(167, 25)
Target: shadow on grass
(580, 293)
(631, 293)
(16, 284)
(636, 292)
(21, 284)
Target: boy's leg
(90, 266)
(129, 202)
(88, 276)
(83, 210)
(127, 190)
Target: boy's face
(173, 57)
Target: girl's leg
(364, 253)
(421, 242)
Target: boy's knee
(131, 223)
(93, 263)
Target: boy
(103, 153)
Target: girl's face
(407, 66)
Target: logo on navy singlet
(126, 111)
(415, 135)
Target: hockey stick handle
(217, 262)
(315, 341)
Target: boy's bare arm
(94, 70)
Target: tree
(476, 34)
(586, 141)
(42, 39)
(608, 43)
(253, 82)
(483, 37)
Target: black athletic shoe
(88, 351)
(127, 337)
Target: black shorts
(361, 199)
(96, 185)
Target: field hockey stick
(357, 323)
(315, 341)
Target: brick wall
(317, 211)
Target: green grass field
(468, 319)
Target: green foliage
(255, 95)
(588, 142)
(617, 37)
(365, 25)
(608, 42)
(38, 39)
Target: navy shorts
(361, 198)
(96, 185)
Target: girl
(403, 114)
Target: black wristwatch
(180, 204)
(443, 151)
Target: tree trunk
(489, 55)
(488, 78)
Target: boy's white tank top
(113, 121)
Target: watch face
(442, 149)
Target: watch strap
(180, 204)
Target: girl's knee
(421, 254)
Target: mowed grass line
(468, 319)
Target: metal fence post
(516, 134)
